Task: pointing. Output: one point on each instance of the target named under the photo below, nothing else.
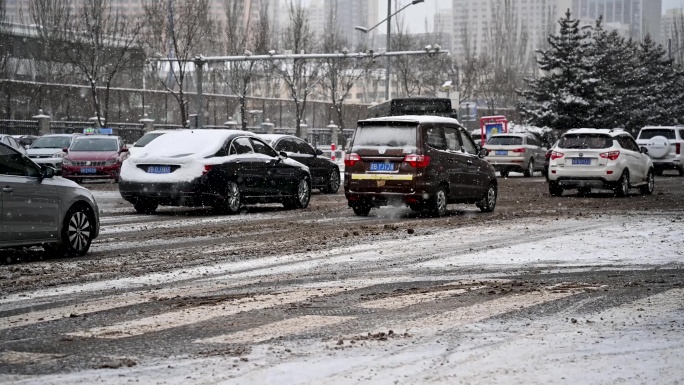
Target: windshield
(385, 136)
(95, 144)
(505, 140)
(52, 142)
(585, 141)
(650, 134)
(147, 138)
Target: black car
(225, 169)
(325, 173)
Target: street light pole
(389, 64)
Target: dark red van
(425, 162)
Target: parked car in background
(94, 157)
(225, 169)
(50, 150)
(664, 146)
(424, 162)
(515, 152)
(25, 140)
(9, 140)
(589, 158)
(325, 174)
(137, 147)
(41, 209)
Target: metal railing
(19, 127)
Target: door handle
(7, 190)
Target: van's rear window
(505, 140)
(385, 136)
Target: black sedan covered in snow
(225, 169)
(325, 174)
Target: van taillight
(351, 159)
(417, 161)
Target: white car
(589, 158)
(664, 146)
(12, 142)
(49, 149)
(515, 152)
(146, 139)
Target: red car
(94, 157)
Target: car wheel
(302, 196)
(438, 202)
(650, 184)
(333, 182)
(555, 190)
(76, 235)
(146, 207)
(361, 209)
(622, 187)
(232, 199)
(530, 169)
(488, 202)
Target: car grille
(39, 156)
(88, 163)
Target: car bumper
(387, 191)
(100, 172)
(170, 194)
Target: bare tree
(102, 42)
(244, 36)
(300, 75)
(177, 30)
(49, 62)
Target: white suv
(588, 158)
(664, 146)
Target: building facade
(632, 18)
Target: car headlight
(67, 162)
(59, 154)
(110, 162)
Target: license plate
(88, 170)
(376, 166)
(501, 152)
(159, 169)
(581, 161)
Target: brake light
(417, 161)
(612, 155)
(678, 148)
(518, 150)
(556, 155)
(351, 159)
(207, 168)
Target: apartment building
(632, 18)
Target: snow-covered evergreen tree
(565, 97)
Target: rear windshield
(95, 144)
(585, 141)
(148, 138)
(385, 136)
(52, 142)
(650, 134)
(505, 140)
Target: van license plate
(377, 166)
(88, 170)
(581, 161)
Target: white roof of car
(198, 143)
(414, 118)
(606, 131)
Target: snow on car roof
(413, 118)
(273, 137)
(606, 131)
(197, 143)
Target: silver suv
(39, 208)
(515, 152)
(664, 146)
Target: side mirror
(47, 172)
(319, 152)
(65, 150)
(482, 152)
(283, 154)
(644, 150)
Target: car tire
(361, 209)
(232, 199)
(438, 203)
(146, 207)
(301, 197)
(529, 172)
(76, 235)
(621, 188)
(555, 190)
(333, 184)
(650, 184)
(488, 202)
